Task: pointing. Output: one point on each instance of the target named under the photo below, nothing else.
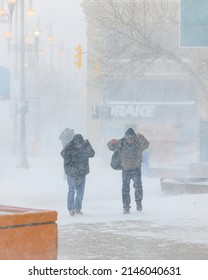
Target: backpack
(116, 160)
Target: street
(169, 227)
(130, 240)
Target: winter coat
(131, 155)
(76, 160)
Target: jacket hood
(78, 139)
(130, 132)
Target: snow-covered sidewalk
(178, 222)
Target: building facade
(138, 76)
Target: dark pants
(135, 176)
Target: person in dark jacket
(76, 156)
(130, 148)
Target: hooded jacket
(130, 154)
(66, 136)
(76, 160)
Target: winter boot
(126, 210)
(78, 212)
(139, 206)
(72, 213)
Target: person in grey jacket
(66, 136)
(76, 156)
(130, 148)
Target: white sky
(66, 17)
(67, 22)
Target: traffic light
(78, 56)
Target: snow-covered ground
(169, 227)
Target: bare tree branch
(130, 36)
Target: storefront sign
(131, 110)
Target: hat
(130, 132)
(78, 139)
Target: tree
(133, 37)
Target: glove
(113, 141)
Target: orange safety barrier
(27, 234)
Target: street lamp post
(36, 34)
(22, 104)
(50, 40)
(11, 5)
(30, 11)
